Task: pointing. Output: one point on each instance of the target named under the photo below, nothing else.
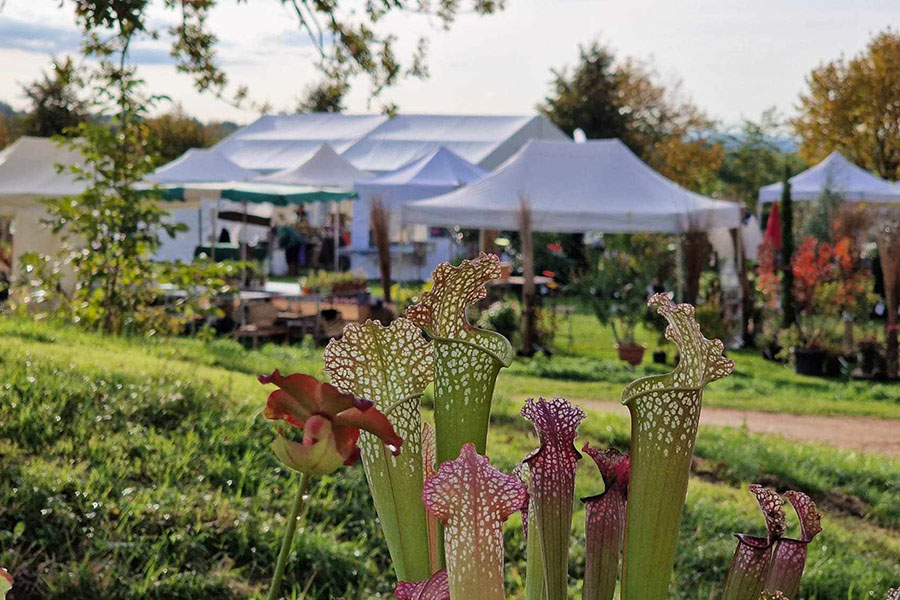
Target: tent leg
(242, 242)
(215, 229)
(335, 232)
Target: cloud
(35, 37)
(49, 39)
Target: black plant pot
(833, 366)
(771, 351)
(809, 362)
(659, 357)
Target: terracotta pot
(633, 354)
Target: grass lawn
(142, 469)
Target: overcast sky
(735, 57)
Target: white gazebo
(438, 172)
(838, 175)
(595, 186)
(598, 186)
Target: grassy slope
(140, 469)
(757, 384)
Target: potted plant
(618, 288)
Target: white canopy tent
(28, 173)
(439, 172)
(835, 174)
(325, 168)
(599, 185)
(200, 166)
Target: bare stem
(288, 540)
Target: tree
(851, 106)
(587, 97)
(788, 314)
(325, 96)
(607, 98)
(348, 42)
(176, 133)
(108, 231)
(755, 156)
(55, 102)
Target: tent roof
(325, 168)
(599, 185)
(836, 174)
(440, 168)
(380, 143)
(198, 166)
(477, 139)
(28, 168)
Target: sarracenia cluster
(442, 504)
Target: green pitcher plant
(378, 375)
(467, 360)
(391, 366)
(665, 414)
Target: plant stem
(288, 540)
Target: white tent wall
(404, 265)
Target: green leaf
(665, 413)
(467, 360)
(6, 582)
(391, 366)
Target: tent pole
(242, 242)
(215, 229)
(335, 231)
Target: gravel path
(877, 436)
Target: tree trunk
(788, 314)
(696, 257)
(889, 253)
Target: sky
(734, 58)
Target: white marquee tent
(838, 175)
(379, 143)
(439, 172)
(598, 186)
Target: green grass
(592, 371)
(139, 468)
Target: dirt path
(878, 436)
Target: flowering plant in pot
(617, 290)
